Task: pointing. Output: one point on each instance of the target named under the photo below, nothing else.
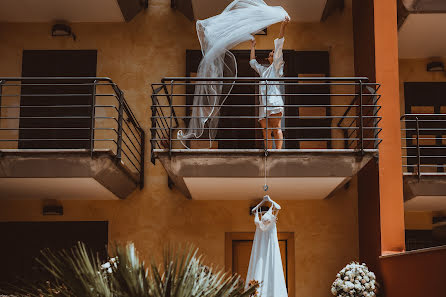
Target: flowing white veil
(218, 34)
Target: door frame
(290, 258)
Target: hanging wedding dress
(265, 264)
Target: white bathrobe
(274, 100)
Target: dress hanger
(266, 198)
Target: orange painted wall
(391, 190)
(415, 274)
(376, 56)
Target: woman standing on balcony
(271, 100)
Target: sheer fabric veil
(217, 35)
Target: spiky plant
(182, 273)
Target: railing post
(93, 114)
(1, 89)
(418, 149)
(120, 126)
(143, 149)
(361, 120)
(171, 119)
(266, 116)
(153, 131)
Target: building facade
(360, 177)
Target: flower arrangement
(355, 280)
(256, 284)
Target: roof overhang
(299, 10)
(422, 26)
(72, 11)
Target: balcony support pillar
(376, 56)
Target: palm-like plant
(182, 273)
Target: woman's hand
(282, 27)
(253, 43)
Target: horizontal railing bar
(58, 84)
(260, 105)
(56, 139)
(262, 151)
(424, 129)
(57, 78)
(285, 139)
(48, 95)
(56, 106)
(421, 115)
(253, 83)
(167, 80)
(423, 120)
(441, 164)
(268, 95)
(270, 117)
(278, 128)
(66, 117)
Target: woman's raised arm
(282, 27)
(253, 49)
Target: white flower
(106, 265)
(333, 291)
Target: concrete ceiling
(422, 36)
(53, 188)
(280, 188)
(426, 203)
(299, 10)
(39, 11)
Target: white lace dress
(265, 264)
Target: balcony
(330, 128)
(424, 161)
(68, 138)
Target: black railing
(320, 114)
(424, 144)
(70, 113)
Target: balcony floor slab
(425, 194)
(63, 174)
(239, 175)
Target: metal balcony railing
(320, 114)
(70, 113)
(424, 144)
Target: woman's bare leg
(276, 123)
(264, 131)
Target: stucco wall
(414, 70)
(141, 52)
